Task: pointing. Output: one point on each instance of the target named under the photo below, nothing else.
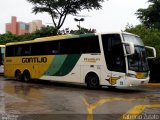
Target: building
(35, 25)
(20, 28)
(17, 28)
(12, 27)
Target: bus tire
(18, 75)
(92, 81)
(26, 76)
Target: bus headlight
(142, 75)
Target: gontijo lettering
(34, 60)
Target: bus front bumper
(136, 82)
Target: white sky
(114, 15)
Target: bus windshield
(138, 61)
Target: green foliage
(28, 36)
(8, 37)
(46, 31)
(43, 32)
(150, 16)
(83, 31)
(59, 9)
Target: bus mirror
(151, 51)
(129, 48)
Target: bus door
(114, 57)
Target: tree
(46, 31)
(151, 15)
(7, 37)
(83, 30)
(59, 9)
(43, 32)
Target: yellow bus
(110, 59)
(2, 47)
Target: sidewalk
(152, 84)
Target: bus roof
(62, 37)
(52, 38)
(2, 45)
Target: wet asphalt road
(45, 100)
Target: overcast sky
(114, 15)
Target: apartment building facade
(20, 28)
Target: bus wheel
(92, 81)
(26, 76)
(18, 75)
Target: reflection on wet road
(48, 100)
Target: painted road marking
(136, 111)
(91, 107)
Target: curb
(152, 84)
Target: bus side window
(55, 51)
(19, 51)
(26, 50)
(53, 47)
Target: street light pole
(79, 20)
